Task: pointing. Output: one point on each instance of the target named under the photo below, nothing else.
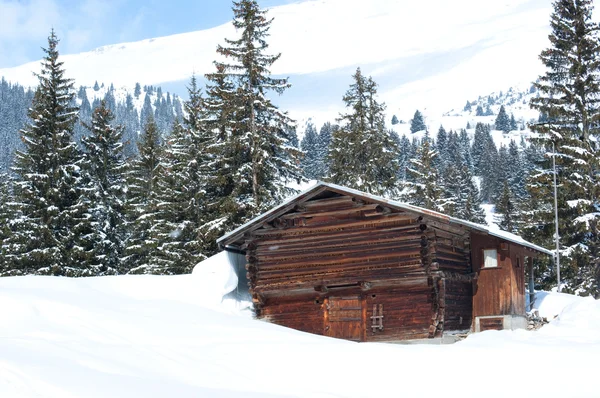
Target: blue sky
(83, 25)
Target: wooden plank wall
(501, 290)
(450, 268)
(407, 312)
(340, 246)
(416, 267)
(332, 242)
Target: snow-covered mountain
(430, 55)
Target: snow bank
(215, 277)
(217, 285)
(150, 336)
(551, 304)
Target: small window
(490, 258)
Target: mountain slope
(423, 54)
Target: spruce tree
(185, 190)
(503, 121)
(404, 157)
(6, 216)
(507, 210)
(441, 144)
(323, 149)
(142, 203)
(362, 153)
(264, 160)
(105, 170)
(310, 146)
(568, 96)
(424, 188)
(50, 235)
(417, 123)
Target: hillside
(421, 59)
(158, 336)
(514, 99)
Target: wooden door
(344, 318)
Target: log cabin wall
(450, 258)
(344, 267)
(498, 290)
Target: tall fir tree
(362, 153)
(184, 183)
(569, 96)
(311, 162)
(263, 160)
(104, 168)
(506, 210)
(50, 235)
(424, 187)
(6, 217)
(142, 203)
(324, 142)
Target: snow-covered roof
(321, 186)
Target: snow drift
(158, 336)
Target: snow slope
(152, 336)
(430, 55)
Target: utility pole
(556, 218)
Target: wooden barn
(342, 263)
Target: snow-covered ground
(169, 336)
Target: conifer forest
(94, 181)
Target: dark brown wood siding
(328, 252)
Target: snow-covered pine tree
(569, 96)
(513, 122)
(404, 157)
(417, 123)
(460, 195)
(323, 148)
(142, 202)
(424, 187)
(441, 143)
(464, 146)
(478, 147)
(506, 210)
(395, 120)
(362, 153)
(485, 160)
(183, 211)
(311, 162)
(50, 235)
(104, 168)
(224, 210)
(516, 172)
(6, 217)
(502, 120)
(264, 160)
(147, 111)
